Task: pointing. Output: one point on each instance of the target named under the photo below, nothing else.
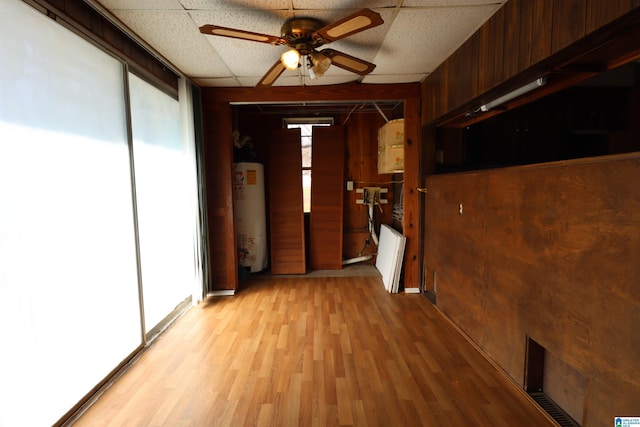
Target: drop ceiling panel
(265, 22)
(420, 39)
(244, 58)
(364, 45)
(175, 36)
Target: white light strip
(514, 94)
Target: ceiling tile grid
(416, 36)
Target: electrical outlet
(349, 185)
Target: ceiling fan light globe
(315, 75)
(321, 63)
(290, 59)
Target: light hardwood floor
(313, 351)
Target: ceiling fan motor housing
(300, 34)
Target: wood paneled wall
(286, 216)
(548, 252)
(327, 187)
(509, 47)
(218, 159)
(361, 166)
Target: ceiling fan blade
(240, 34)
(359, 21)
(271, 76)
(348, 62)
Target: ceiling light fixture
(318, 65)
(290, 59)
(514, 94)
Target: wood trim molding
(334, 93)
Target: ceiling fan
(304, 36)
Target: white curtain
(68, 274)
(69, 284)
(164, 176)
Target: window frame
(299, 122)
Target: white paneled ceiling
(417, 36)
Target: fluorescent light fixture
(514, 94)
(290, 59)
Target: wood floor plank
(313, 351)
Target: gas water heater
(250, 215)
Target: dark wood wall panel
(569, 22)
(361, 166)
(433, 94)
(535, 40)
(464, 72)
(601, 12)
(327, 188)
(511, 29)
(490, 52)
(548, 252)
(525, 21)
(412, 202)
(218, 160)
(286, 216)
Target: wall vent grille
(553, 410)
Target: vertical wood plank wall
(327, 187)
(412, 201)
(286, 216)
(361, 166)
(548, 252)
(218, 159)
